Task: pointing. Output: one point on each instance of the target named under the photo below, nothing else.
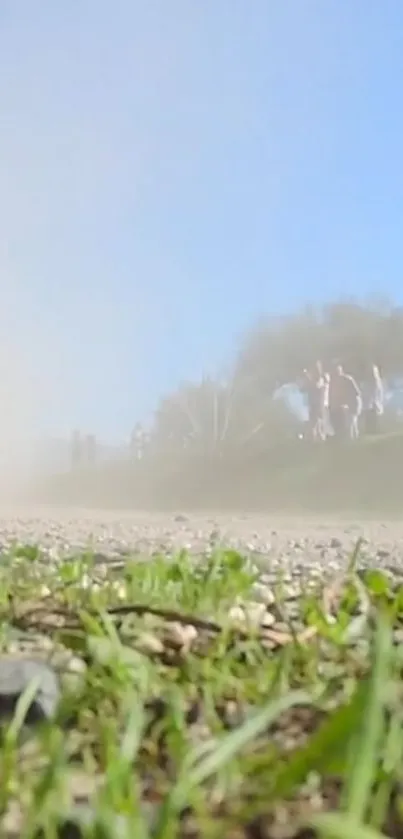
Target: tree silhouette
(275, 351)
(214, 416)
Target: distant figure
(76, 449)
(322, 384)
(374, 404)
(378, 392)
(316, 389)
(345, 403)
(137, 441)
(306, 387)
(91, 449)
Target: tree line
(242, 409)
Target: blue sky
(171, 170)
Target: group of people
(337, 403)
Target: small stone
(150, 644)
(99, 558)
(268, 620)
(11, 824)
(86, 581)
(54, 553)
(182, 635)
(263, 594)
(237, 614)
(335, 542)
(254, 613)
(267, 579)
(70, 668)
(16, 674)
(333, 565)
(119, 589)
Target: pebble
(149, 644)
(237, 614)
(16, 674)
(252, 614)
(181, 635)
(263, 593)
(295, 546)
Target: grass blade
(231, 744)
(328, 744)
(341, 826)
(22, 707)
(365, 746)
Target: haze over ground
(168, 172)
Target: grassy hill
(297, 476)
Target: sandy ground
(307, 539)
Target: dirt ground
(314, 539)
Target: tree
(213, 415)
(190, 415)
(219, 416)
(275, 351)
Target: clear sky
(171, 170)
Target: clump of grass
(182, 721)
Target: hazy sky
(170, 170)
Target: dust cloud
(25, 391)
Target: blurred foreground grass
(202, 699)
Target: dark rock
(181, 518)
(382, 553)
(16, 674)
(335, 542)
(100, 558)
(83, 822)
(66, 830)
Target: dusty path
(308, 539)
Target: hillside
(364, 476)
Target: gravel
(305, 550)
(294, 545)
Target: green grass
(180, 720)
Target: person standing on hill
(316, 389)
(137, 441)
(378, 392)
(345, 403)
(322, 384)
(308, 393)
(76, 449)
(375, 399)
